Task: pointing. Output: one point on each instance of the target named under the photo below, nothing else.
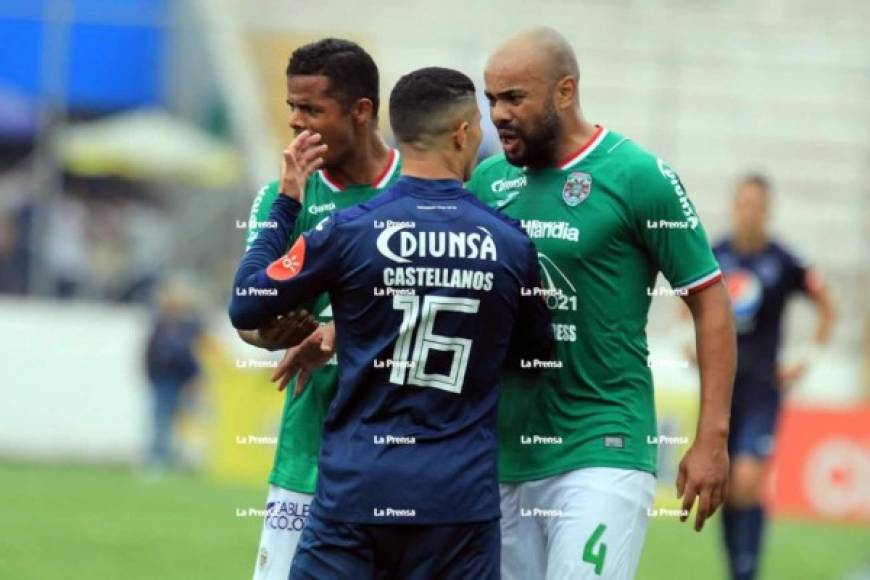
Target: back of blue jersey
(759, 285)
(432, 295)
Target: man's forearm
(716, 346)
(248, 312)
(827, 315)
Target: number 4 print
(428, 341)
(593, 556)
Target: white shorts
(585, 524)
(286, 514)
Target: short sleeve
(669, 227)
(799, 275)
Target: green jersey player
(576, 462)
(332, 90)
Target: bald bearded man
(578, 448)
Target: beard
(538, 146)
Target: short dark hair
(757, 179)
(420, 99)
(351, 71)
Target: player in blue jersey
(432, 293)
(761, 276)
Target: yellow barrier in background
(244, 418)
(677, 413)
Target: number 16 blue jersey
(432, 294)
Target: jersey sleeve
(532, 336)
(669, 227)
(801, 277)
(268, 283)
(259, 214)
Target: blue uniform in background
(432, 295)
(759, 286)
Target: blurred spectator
(172, 366)
(65, 251)
(11, 279)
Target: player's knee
(744, 488)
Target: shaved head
(545, 48)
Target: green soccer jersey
(295, 465)
(605, 222)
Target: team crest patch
(577, 188)
(289, 265)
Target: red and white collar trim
(334, 186)
(380, 181)
(387, 174)
(581, 154)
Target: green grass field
(102, 523)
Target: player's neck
(365, 164)
(750, 242)
(577, 132)
(428, 166)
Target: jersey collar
(584, 151)
(381, 181)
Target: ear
(460, 136)
(566, 92)
(362, 111)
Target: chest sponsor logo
(503, 185)
(746, 293)
(537, 229)
(577, 188)
(321, 208)
(685, 204)
(399, 245)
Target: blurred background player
(606, 216)
(332, 91)
(761, 276)
(429, 282)
(172, 365)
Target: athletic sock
(743, 529)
